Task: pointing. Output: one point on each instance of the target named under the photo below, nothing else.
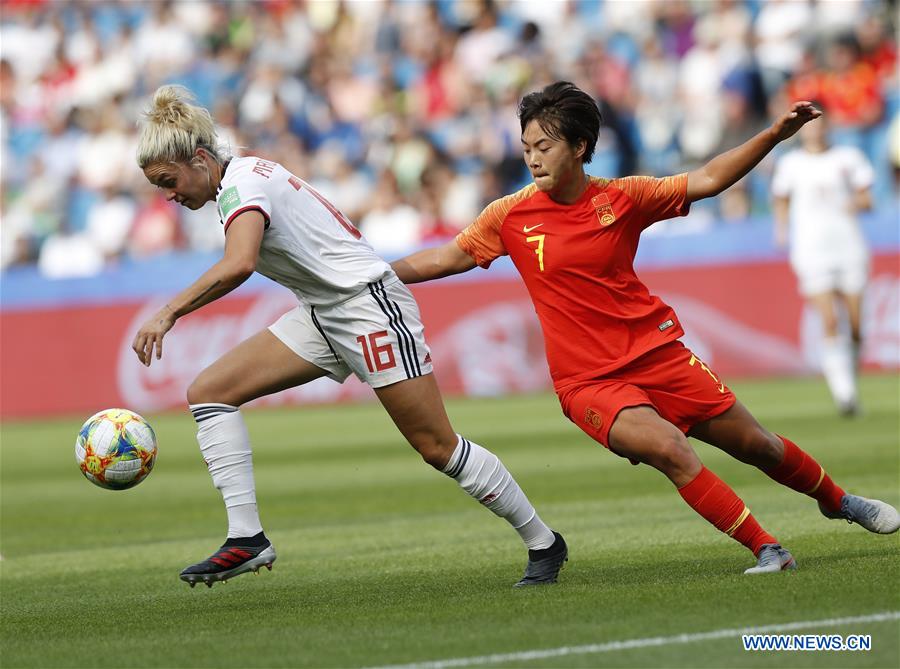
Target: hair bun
(172, 128)
(170, 105)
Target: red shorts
(671, 379)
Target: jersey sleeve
(781, 180)
(240, 195)
(481, 240)
(862, 175)
(656, 199)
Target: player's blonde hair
(172, 129)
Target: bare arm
(780, 209)
(727, 168)
(862, 199)
(433, 263)
(242, 242)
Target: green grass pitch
(382, 560)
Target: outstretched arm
(433, 263)
(781, 207)
(242, 242)
(727, 168)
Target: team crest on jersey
(593, 418)
(229, 200)
(603, 207)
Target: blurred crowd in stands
(403, 112)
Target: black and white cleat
(232, 559)
(544, 565)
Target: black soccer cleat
(235, 557)
(544, 565)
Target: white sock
(481, 474)
(837, 366)
(225, 445)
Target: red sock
(711, 497)
(799, 471)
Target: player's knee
(830, 326)
(674, 455)
(434, 450)
(762, 447)
(203, 390)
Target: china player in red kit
(618, 367)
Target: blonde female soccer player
(354, 316)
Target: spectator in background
(818, 189)
(296, 81)
(410, 154)
(440, 88)
(156, 227)
(781, 30)
(15, 246)
(676, 22)
(483, 43)
(67, 254)
(391, 225)
(850, 88)
(448, 199)
(700, 83)
(340, 181)
(59, 150)
(877, 49)
(109, 220)
(104, 154)
(847, 86)
(656, 85)
(436, 179)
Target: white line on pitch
(526, 655)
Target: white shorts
(376, 335)
(846, 276)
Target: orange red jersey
(577, 262)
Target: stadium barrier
(62, 354)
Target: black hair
(564, 111)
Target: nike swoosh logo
(526, 229)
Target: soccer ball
(115, 449)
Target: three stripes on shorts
(405, 338)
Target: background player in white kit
(355, 317)
(818, 189)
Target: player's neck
(570, 191)
(816, 148)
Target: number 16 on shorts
(379, 357)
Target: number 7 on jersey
(540, 248)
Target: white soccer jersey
(308, 245)
(823, 226)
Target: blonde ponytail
(172, 129)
